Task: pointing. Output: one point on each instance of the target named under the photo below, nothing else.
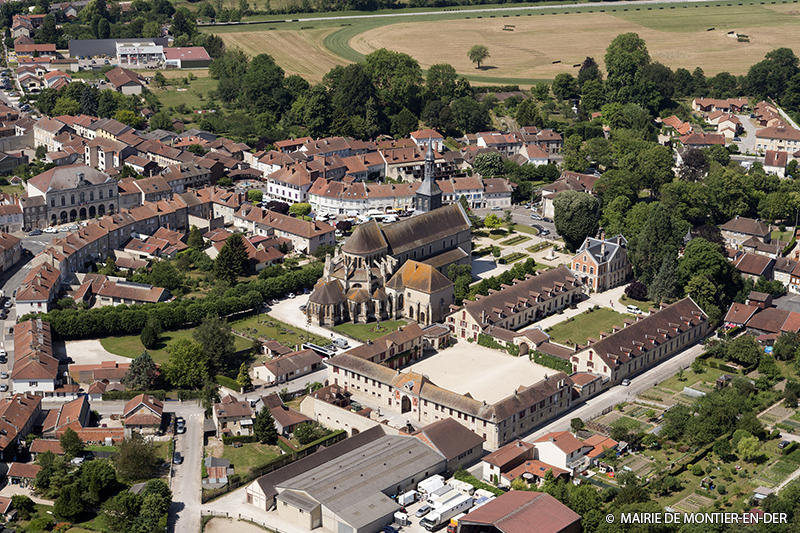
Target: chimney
(602, 244)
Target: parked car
(736, 140)
(3, 387)
(534, 216)
(8, 304)
(634, 310)
(3, 314)
(35, 232)
(177, 458)
(783, 444)
(497, 208)
(50, 230)
(626, 382)
(422, 511)
(3, 375)
(290, 295)
(73, 227)
(544, 231)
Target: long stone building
(417, 398)
(644, 343)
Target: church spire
(429, 195)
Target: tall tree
(243, 379)
(625, 56)
(576, 217)
(264, 427)
(195, 239)
(659, 237)
(142, 373)
(216, 339)
(71, 443)
(478, 54)
(397, 78)
(69, 503)
(666, 284)
(589, 71)
(489, 165)
(135, 458)
(187, 366)
(89, 101)
(232, 261)
(440, 83)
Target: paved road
(748, 143)
(186, 485)
(521, 216)
(619, 394)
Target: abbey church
(396, 271)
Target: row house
(272, 161)
(391, 197)
(517, 305)
(370, 166)
(781, 138)
(10, 250)
(497, 193)
(727, 105)
(471, 188)
(306, 236)
(408, 164)
(291, 184)
(105, 154)
(11, 217)
(35, 367)
(412, 396)
(395, 350)
(507, 144)
(186, 176)
(292, 145)
(38, 290)
(427, 136)
(340, 146)
(643, 343)
(142, 165)
(45, 130)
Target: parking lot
(485, 373)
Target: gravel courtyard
(486, 374)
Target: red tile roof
(516, 511)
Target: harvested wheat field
(537, 42)
(527, 48)
(297, 51)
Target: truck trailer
(439, 517)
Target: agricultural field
(529, 46)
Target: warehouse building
(346, 488)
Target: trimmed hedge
(130, 320)
(245, 439)
(489, 342)
(130, 394)
(158, 394)
(551, 361)
(225, 381)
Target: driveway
(748, 143)
(91, 352)
(288, 310)
(184, 514)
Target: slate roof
(367, 239)
(426, 228)
(653, 330)
(382, 344)
(449, 437)
(748, 226)
(293, 362)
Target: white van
(634, 310)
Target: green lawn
(11, 189)
(131, 346)
(249, 455)
(163, 449)
(518, 239)
(372, 331)
(266, 326)
(174, 95)
(101, 448)
(785, 236)
(516, 256)
(644, 305)
(587, 324)
(526, 229)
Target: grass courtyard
(369, 332)
(586, 325)
(264, 325)
(249, 455)
(131, 345)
